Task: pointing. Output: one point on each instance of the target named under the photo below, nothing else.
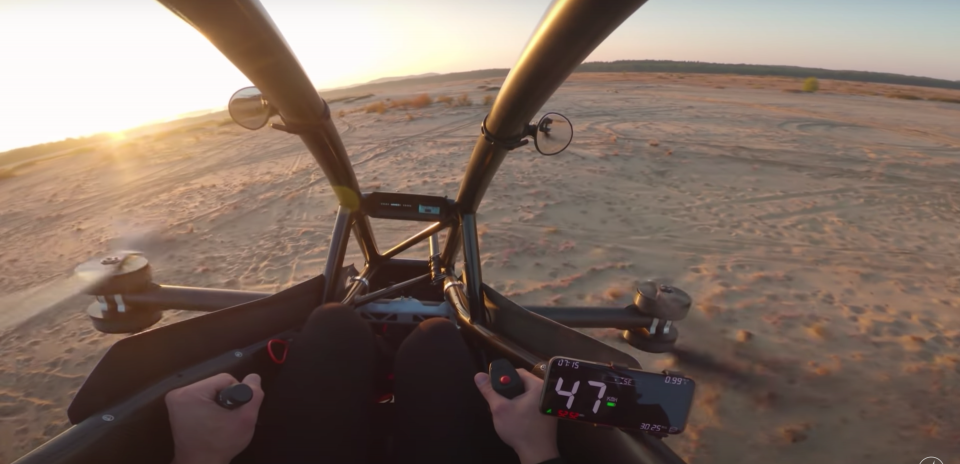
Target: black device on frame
(604, 394)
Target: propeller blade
(18, 307)
(698, 360)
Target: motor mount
(665, 304)
(123, 274)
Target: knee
(433, 333)
(436, 345)
(329, 313)
(438, 327)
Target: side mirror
(553, 134)
(249, 109)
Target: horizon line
(398, 79)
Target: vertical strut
(338, 249)
(436, 272)
(471, 269)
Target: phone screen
(598, 393)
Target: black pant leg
(318, 408)
(441, 416)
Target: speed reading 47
(602, 387)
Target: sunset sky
(72, 68)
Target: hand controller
(505, 380)
(234, 396)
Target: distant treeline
(763, 70)
(696, 67)
(375, 87)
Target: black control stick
(235, 396)
(505, 380)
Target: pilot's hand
(519, 422)
(203, 431)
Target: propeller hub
(124, 272)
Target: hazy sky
(70, 68)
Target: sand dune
(817, 233)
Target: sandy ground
(817, 234)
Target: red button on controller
(504, 380)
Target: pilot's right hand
(519, 422)
(203, 431)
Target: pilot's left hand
(203, 431)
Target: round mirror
(249, 109)
(554, 133)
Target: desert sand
(817, 234)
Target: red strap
(273, 355)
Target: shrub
(487, 100)
(421, 101)
(6, 173)
(811, 84)
(464, 100)
(944, 99)
(88, 149)
(378, 107)
(903, 96)
(349, 99)
(445, 100)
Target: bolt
(110, 260)
(107, 417)
(238, 354)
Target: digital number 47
(573, 391)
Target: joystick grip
(235, 396)
(505, 379)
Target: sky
(70, 68)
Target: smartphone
(586, 391)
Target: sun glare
(134, 63)
(110, 66)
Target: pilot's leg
(318, 408)
(441, 416)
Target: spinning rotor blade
(701, 360)
(743, 362)
(20, 306)
(700, 346)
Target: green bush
(811, 84)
